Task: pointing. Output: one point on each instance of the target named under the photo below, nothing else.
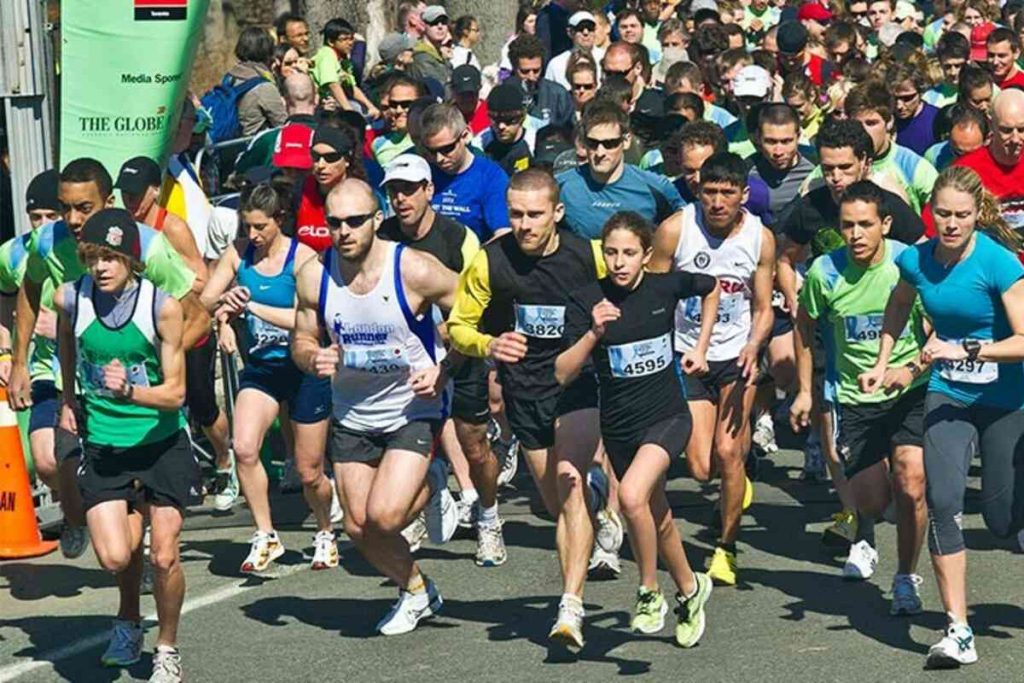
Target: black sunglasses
(611, 72)
(443, 150)
(507, 119)
(328, 157)
(585, 26)
(351, 221)
(906, 98)
(609, 144)
(439, 20)
(400, 104)
(584, 86)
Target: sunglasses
(584, 86)
(438, 22)
(443, 150)
(612, 72)
(351, 221)
(588, 26)
(400, 104)
(906, 98)
(328, 157)
(507, 119)
(609, 144)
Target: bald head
(299, 94)
(350, 197)
(353, 216)
(1008, 121)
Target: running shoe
(814, 460)
(410, 609)
(264, 549)
(442, 515)
(415, 533)
(842, 531)
(691, 612)
(166, 665)
(608, 533)
(764, 434)
(597, 483)
(290, 482)
(490, 546)
(722, 569)
(73, 541)
(225, 489)
(955, 648)
(325, 551)
(649, 615)
(906, 599)
(469, 510)
(603, 565)
(861, 562)
(337, 512)
(568, 628)
(508, 452)
(125, 646)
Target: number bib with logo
(265, 335)
(541, 322)
(969, 371)
(93, 374)
(379, 360)
(640, 358)
(729, 308)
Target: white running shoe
(73, 541)
(861, 562)
(264, 549)
(442, 514)
(166, 665)
(568, 628)
(955, 648)
(415, 533)
(490, 546)
(468, 512)
(603, 564)
(410, 609)
(608, 533)
(125, 647)
(325, 551)
(508, 452)
(764, 434)
(337, 512)
(905, 596)
(225, 488)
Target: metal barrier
(219, 160)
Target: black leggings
(954, 434)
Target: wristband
(915, 370)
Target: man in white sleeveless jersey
(387, 363)
(718, 237)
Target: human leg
(259, 409)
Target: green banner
(125, 67)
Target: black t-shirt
(444, 241)
(814, 219)
(634, 362)
(511, 157)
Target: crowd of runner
(653, 231)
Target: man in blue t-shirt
(594, 191)
(467, 188)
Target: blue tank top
(267, 342)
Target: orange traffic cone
(19, 533)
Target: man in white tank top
(389, 372)
(718, 237)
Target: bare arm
(1011, 349)
(306, 333)
(67, 353)
(764, 317)
(197, 320)
(279, 317)
(170, 394)
(184, 242)
(221, 278)
(339, 94)
(666, 239)
(571, 361)
(19, 383)
(423, 274)
(785, 271)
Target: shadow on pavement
(29, 581)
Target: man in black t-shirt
(509, 140)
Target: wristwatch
(972, 347)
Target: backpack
(221, 101)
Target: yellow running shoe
(842, 531)
(748, 494)
(722, 569)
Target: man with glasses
(582, 85)
(428, 60)
(969, 129)
(547, 100)
(400, 94)
(467, 188)
(333, 72)
(915, 118)
(606, 183)
(511, 138)
(582, 30)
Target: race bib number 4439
(542, 322)
(640, 358)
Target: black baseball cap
(791, 38)
(466, 78)
(137, 174)
(114, 229)
(42, 192)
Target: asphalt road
(791, 619)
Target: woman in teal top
(256, 278)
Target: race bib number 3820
(539, 321)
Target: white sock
(469, 496)
(488, 516)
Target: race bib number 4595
(542, 322)
(640, 358)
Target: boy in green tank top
(880, 434)
(120, 339)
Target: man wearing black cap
(794, 56)
(509, 141)
(333, 151)
(56, 468)
(121, 343)
(465, 89)
(139, 181)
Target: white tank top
(382, 343)
(733, 261)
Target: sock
(469, 496)
(865, 529)
(417, 585)
(488, 517)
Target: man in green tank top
(120, 339)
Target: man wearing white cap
(582, 31)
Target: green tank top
(112, 421)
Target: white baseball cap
(752, 81)
(578, 17)
(411, 168)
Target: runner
(624, 323)
(718, 237)
(970, 284)
(120, 340)
(519, 284)
(879, 434)
(373, 299)
(262, 265)
(416, 224)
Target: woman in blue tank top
(255, 279)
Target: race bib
(640, 358)
(93, 376)
(867, 328)
(779, 301)
(379, 360)
(265, 335)
(969, 371)
(730, 307)
(541, 322)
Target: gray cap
(394, 44)
(433, 13)
(698, 5)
